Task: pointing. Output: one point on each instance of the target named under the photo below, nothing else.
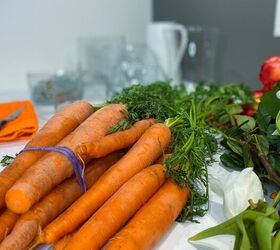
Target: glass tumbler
(199, 61)
(53, 90)
(139, 65)
(99, 56)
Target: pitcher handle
(182, 47)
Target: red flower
(270, 71)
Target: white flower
(236, 188)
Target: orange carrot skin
(116, 141)
(60, 125)
(150, 223)
(61, 244)
(53, 204)
(7, 221)
(163, 158)
(118, 209)
(54, 167)
(143, 153)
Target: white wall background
(42, 34)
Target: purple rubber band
(78, 169)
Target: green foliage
(6, 160)
(271, 103)
(233, 161)
(153, 101)
(187, 115)
(246, 123)
(274, 160)
(255, 228)
(262, 117)
(254, 140)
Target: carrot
(163, 158)
(54, 167)
(149, 224)
(53, 204)
(61, 244)
(7, 221)
(142, 154)
(118, 209)
(60, 125)
(115, 141)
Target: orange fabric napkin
(23, 127)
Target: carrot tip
(17, 201)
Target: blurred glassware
(168, 40)
(98, 57)
(139, 65)
(199, 61)
(51, 91)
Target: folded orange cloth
(23, 127)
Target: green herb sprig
(6, 160)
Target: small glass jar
(51, 91)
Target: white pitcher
(162, 38)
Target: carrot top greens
(6, 160)
(190, 116)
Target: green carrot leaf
(6, 160)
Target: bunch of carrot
(130, 201)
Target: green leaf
(223, 118)
(247, 156)
(272, 138)
(264, 228)
(227, 227)
(262, 117)
(211, 144)
(250, 228)
(271, 103)
(278, 122)
(276, 241)
(245, 242)
(245, 122)
(6, 160)
(232, 161)
(235, 147)
(234, 133)
(274, 160)
(237, 241)
(235, 109)
(262, 144)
